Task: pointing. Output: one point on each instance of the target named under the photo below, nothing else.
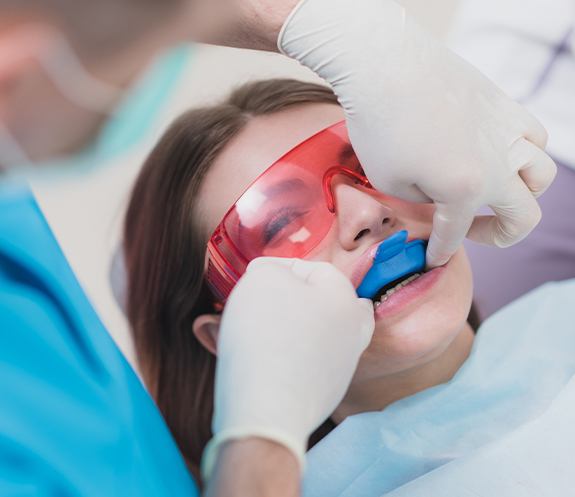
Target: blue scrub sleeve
(75, 419)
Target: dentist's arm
(256, 467)
(290, 339)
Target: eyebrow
(345, 155)
(284, 186)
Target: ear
(206, 329)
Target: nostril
(386, 220)
(360, 234)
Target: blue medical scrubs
(74, 418)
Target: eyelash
(282, 219)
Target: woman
(423, 331)
(173, 212)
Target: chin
(421, 326)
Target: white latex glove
(290, 339)
(424, 123)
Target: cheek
(424, 333)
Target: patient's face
(415, 324)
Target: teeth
(396, 288)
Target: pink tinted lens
(284, 213)
(283, 216)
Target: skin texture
(239, 23)
(421, 345)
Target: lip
(364, 263)
(407, 296)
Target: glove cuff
(285, 25)
(212, 449)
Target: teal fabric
(521, 366)
(135, 118)
(139, 110)
(74, 418)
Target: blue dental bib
(393, 260)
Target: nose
(363, 217)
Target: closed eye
(280, 221)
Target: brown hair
(164, 249)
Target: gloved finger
(515, 216)
(450, 225)
(366, 322)
(408, 192)
(324, 274)
(535, 167)
(265, 262)
(279, 267)
(534, 131)
(313, 272)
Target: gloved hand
(290, 339)
(424, 123)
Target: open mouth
(386, 291)
(396, 264)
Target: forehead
(262, 142)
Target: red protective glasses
(286, 212)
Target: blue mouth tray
(394, 259)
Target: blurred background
(90, 233)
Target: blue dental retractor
(393, 260)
